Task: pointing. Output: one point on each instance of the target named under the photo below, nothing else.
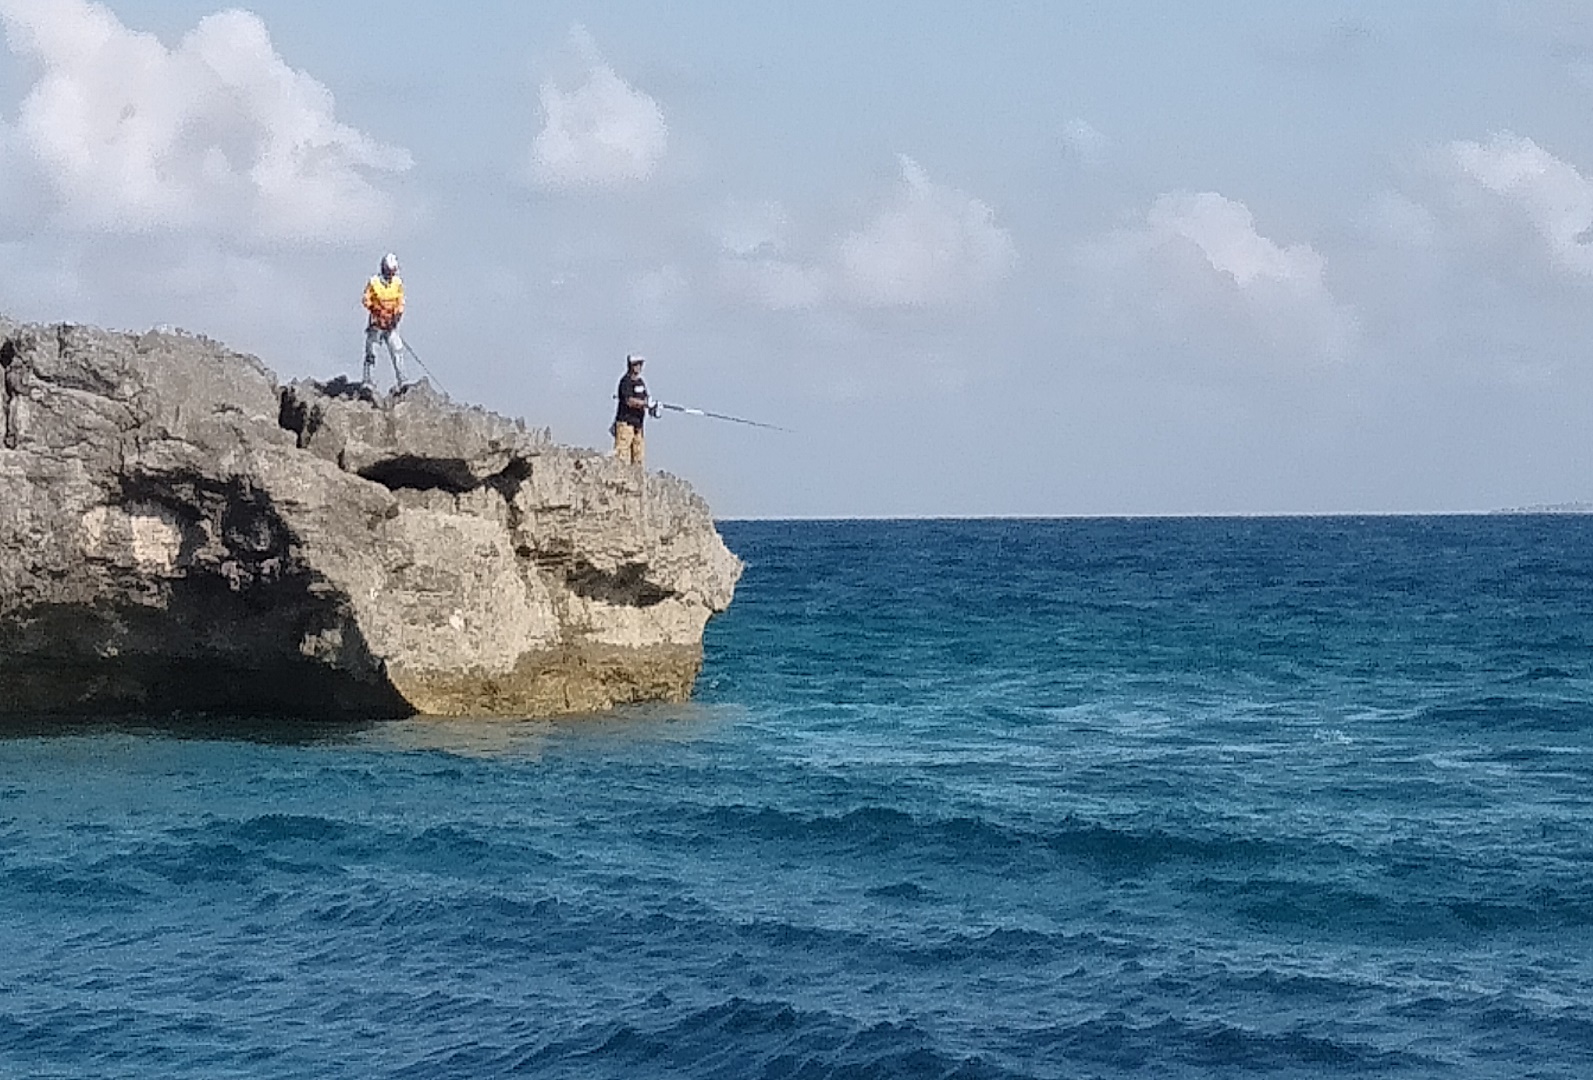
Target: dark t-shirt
(631, 387)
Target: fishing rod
(719, 416)
(410, 349)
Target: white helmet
(389, 264)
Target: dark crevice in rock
(254, 543)
(297, 416)
(555, 557)
(303, 417)
(11, 390)
(344, 388)
(507, 484)
(408, 473)
(627, 586)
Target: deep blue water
(1188, 798)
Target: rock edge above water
(180, 533)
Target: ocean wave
(909, 891)
(1508, 713)
(1387, 911)
(732, 1039)
(243, 849)
(68, 885)
(875, 830)
(1216, 1048)
(1543, 673)
(267, 829)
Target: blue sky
(1021, 258)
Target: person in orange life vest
(384, 300)
(634, 407)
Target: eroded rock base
(561, 681)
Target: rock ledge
(179, 533)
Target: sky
(1027, 258)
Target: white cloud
(218, 134)
(1401, 220)
(1197, 261)
(930, 246)
(599, 130)
(775, 284)
(754, 239)
(1225, 232)
(1555, 197)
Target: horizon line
(1170, 516)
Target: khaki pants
(628, 443)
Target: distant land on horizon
(1551, 508)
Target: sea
(1255, 798)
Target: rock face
(180, 533)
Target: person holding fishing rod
(634, 407)
(384, 303)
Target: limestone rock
(180, 533)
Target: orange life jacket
(384, 299)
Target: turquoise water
(1194, 798)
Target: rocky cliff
(178, 532)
